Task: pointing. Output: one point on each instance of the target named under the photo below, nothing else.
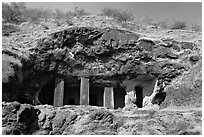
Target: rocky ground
(89, 120)
(34, 55)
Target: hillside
(110, 54)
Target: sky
(190, 12)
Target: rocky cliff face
(21, 119)
(108, 57)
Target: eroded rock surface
(108, 57)
(24, 119)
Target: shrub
(79, 12)
(45, 13)
(196, 27)
(161, 24)
(59, 14)
(61, 17)
(179, 25)
(35, 15)
(17, 12)
(69, 17)
(13, 12)
(109, 12)
(32, 15)
(121, 16)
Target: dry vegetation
(16, 13)
(121, 16)
(179, 25)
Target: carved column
(108, 98)
(59, 92)
(84, 91)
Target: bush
(35, 15)
(109, 12)
(17, 13)
(59, 14)
(13, 12)
(61, 17)
(121, 16)
(79, 12)
(179, 25)
(196, 27)
(69, 17)
(161, 24)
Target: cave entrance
(46, 95)
(139, 95)
(119, 97)
(96, 96)
(71, 94)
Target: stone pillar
(108, 98)
(84, 91)
(59, 92)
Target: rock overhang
(107, 57)
(97, 46)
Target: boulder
(194, 58)
(187, 45)
(23, 119)
(130, 98)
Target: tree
(121, 16)
(179, 25)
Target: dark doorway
(139, 95)
(96, 96)
(119, 97)
(71, 101)
(46, 95)
(93, 100)
(71, 94)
